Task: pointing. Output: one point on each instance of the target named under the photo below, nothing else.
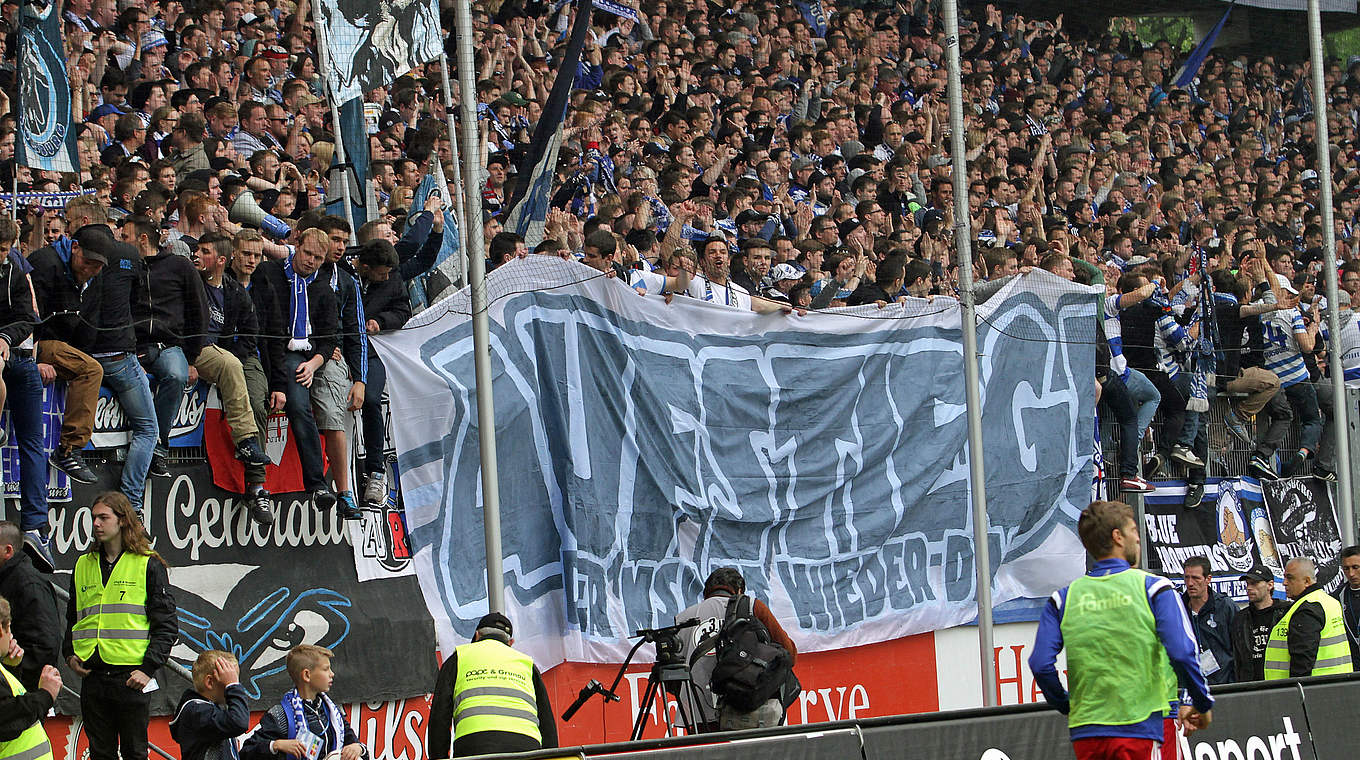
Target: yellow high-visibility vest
(111, 619)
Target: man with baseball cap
(491, 697)
(1251, 628)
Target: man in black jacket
(173, 330)
(60, 273)
(1211, 615)
(298, 313)
(21, 386)
(386, 307)
(37, 624)
(1251, 627)
(230, 312)
(247, 253)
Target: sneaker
(1152, 464)
(159, 467)
(1237, 428)
(260, 507)
(1260, 466)
(375, 491)
(1321, 474)
(70, 462)
(37, 544)
(346, 507)
(323, 499)
(249, 452)
(1136, 484)
(1194, 495)
(1296, 464)
(1185, 456)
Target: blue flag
(815, 15)
(528, 209)
(44, 108)
(1192, 65)
(354, 133)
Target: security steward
(1310, 640)
(490, 698)
(21, 711)
(121, 627)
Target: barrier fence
(1302, 719)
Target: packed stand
(756, 157)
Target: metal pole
(481, 332)
(457, 170)
(325, 60)
(964, 258)
(1345, 508)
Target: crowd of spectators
(759, 155)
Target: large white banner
(642, 444)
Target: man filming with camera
(740, 658)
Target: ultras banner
(642, 444)
(44, 108)
(1241, 522)
(257, 592)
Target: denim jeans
(128, 382)
(172, 373)
(302, 426)
(26, 414)
(375, 432)
(1303, 400)
(1145, 398)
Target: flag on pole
(44, 108)
(373, 43)
(528, 209)
(354, 136)
(1190, 70)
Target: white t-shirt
(647, 283)
(731, 294)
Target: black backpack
(751, 668)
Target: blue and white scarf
(297, 719)
(301, 326)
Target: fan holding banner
(44, 108)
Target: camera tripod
(670, 672)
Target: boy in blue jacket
(212, 714)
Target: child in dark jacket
(212, 714)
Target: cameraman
(722, 585)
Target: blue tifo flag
(448, 261)
(527, 211)
(354, 135)
(44, 108)
(1192, 65)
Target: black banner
(258, 592)
(1219, 530)
(1262, 722)
(1305, 525)
(1331, 717)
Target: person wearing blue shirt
(1125, 654)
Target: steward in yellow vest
(21, 712)
(1311, 639)
(489, 698)
(121, 626)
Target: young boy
(22, 711)
(305, 724)
(214, 712)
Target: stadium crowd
(763, 156)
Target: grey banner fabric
(1331, 717)
(1027, 735)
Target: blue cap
(104, 110)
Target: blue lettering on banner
(637, 452)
